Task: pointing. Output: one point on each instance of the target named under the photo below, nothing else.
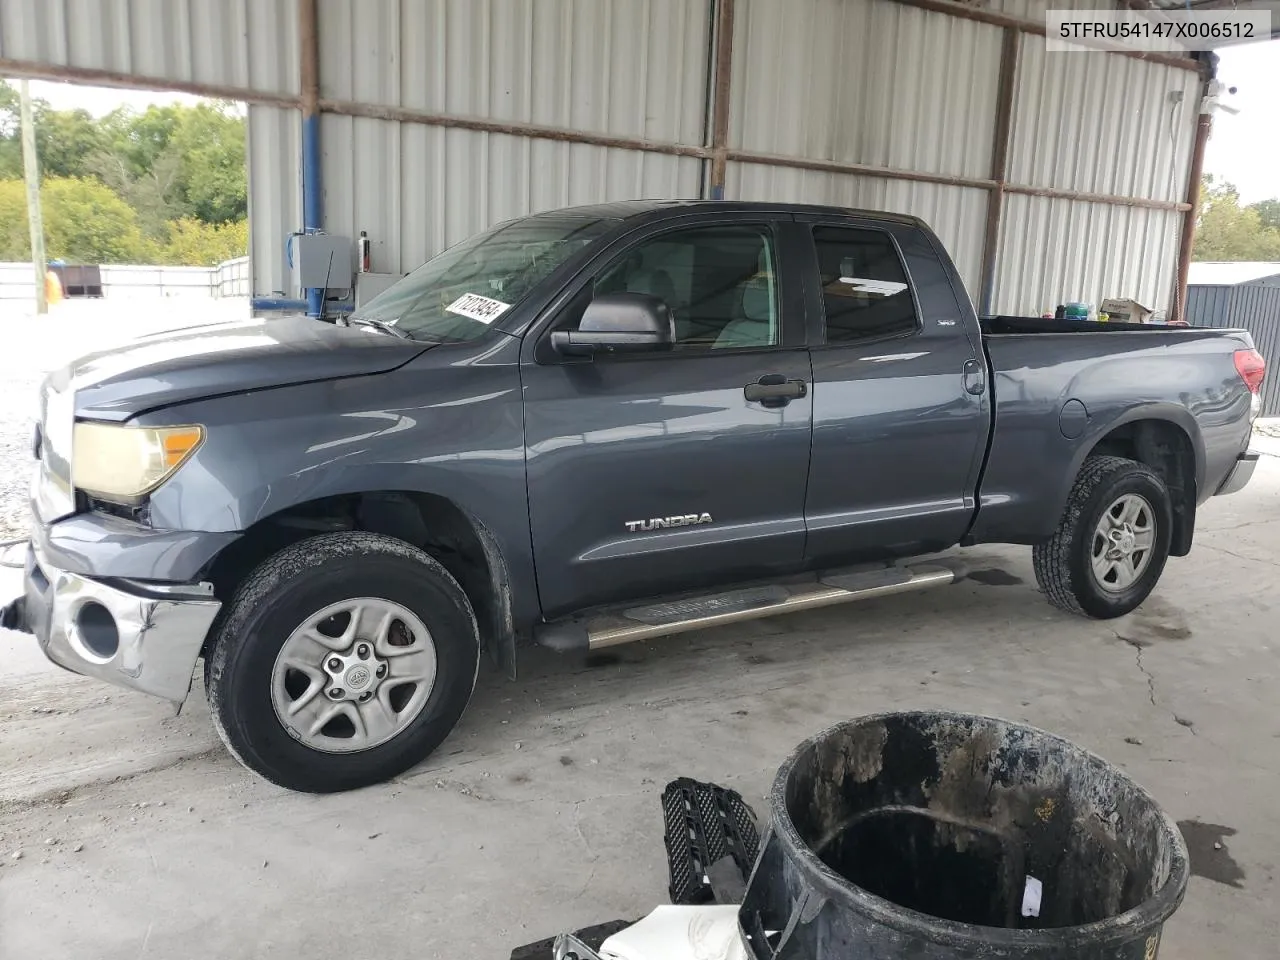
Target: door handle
(774, 390)
(975, 377)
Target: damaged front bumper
(142, 636)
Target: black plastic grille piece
(705, 823)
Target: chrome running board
(609, 629)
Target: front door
(657, 473)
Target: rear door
(900, 415)
(655, 473)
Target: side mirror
(618, 323)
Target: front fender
(449, 424)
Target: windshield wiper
(380, 325)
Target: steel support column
(312, 184)
(999, 166)
(1186, 247)
(720, 97)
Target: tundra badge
(661, 523)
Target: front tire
(341, 661)
(1112, 541)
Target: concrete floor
(140, 837)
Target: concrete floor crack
(1138, 649)
(1151, 680)
(1241, 556)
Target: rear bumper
(144, 637)
(1239, 474)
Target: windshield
(456, 296)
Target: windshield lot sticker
(478, 308)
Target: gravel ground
(36, 345)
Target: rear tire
(365, 629)
(1112, 541)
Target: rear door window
(865, 291)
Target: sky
(100, 101)
(1243, 149)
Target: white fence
(228, 279)
(231, 278)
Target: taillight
(1252, 368)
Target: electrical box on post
(322, 260)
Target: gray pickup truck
(584, 428)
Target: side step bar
(609, 629)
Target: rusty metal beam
(309, 57)
(1006, 86)
(1186, 246)
(1113, 199)
(129, 81)
(351, 108)
(1034, 26)
(720, 101)
(858, 169)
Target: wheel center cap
(358, 677)
(1125, 541)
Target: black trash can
(931, 836)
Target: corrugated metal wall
(244, 43)
(864, 81)
(1102, 124)
(275, 194)
(883, 84)
(1055, 251)
(867, 82)
(634, 68)
(1254, 307)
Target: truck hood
(197, 362)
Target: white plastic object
(680, 933)
(1031, 897)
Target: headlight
(123, 463)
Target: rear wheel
(342, 660)
(1112, 541)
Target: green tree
(1268, 212)
(10, 141)
(1227, 231)
(195, 243)
(15, 241)
(175, 170)
(155, 194)
(140, 138)
(84, 222)
(65, 140)
(209, 142)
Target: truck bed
(1006, 325)
(1054, 390)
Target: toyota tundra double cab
(583, 428)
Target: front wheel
(342, 661)
(1111, 543)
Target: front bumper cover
(158, 628)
